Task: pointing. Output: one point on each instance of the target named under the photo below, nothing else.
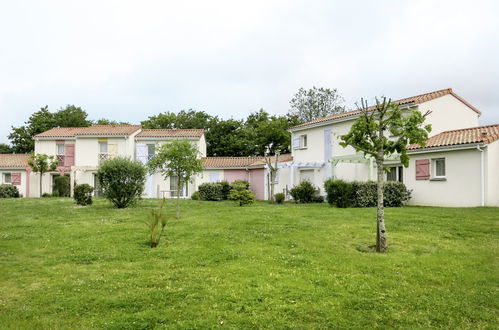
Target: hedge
(365, 194)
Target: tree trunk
(381, 240)
(272, 180)
(41, 181)
(179, 185)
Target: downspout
(482, 175)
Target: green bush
(240, 193)
(225, 189)
(211, 191)
(365, 194)
(62, 186)
(318, 199)
(339, 193)
(46, 195)
(279, 198)
(195, 196)
(304, 192)
(82, 194)
(8, 191)
(122, 181)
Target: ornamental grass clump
(156, 224)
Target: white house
(318, 156)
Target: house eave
(446, 148)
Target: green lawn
(260, 266)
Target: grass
(260, 266)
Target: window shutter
(15, 178)
(422, 169)
(296, 142)
(69, 155)
(112, 149)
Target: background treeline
(259, 134)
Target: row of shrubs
(219, 191)
(9, 191)
(365, 194)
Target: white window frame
(397, 173)
(150, 156)
(434, 168)
(58, 145)
(101, 143)
(4, 177)
(303, 141)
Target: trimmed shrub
(279, 198)
(62, 186)
(365, 194)
(122, 181)
(304, 192)
(240, 193)
(83, 194)
(225, 189)
(46, 195)
(339, 193)
(211, 191)
(195, 196)
(318, 199)
(395, 194)
(8, 191)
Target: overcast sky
(127, 60)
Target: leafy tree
(227, 138)
(104, 121)
(178, 158)
(41, 163)
(122, 181)
(368, 134)
(316, 103)
(21, 137)
(184, 119)
(5, 149)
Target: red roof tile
(225, 162)
(91, 130)
(14, 160)
(481, 134)
(418, 99)
(171, 133)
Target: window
(439, 168)
(7, 178)
(303, 141)
(60, 149)
(102, 147)
(150, 151)
(395, 173)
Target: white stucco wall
(22, 187)
(462, 185)
(492, 174)
(448, 113)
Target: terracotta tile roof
(282, 158)
(481, 134)
(91, 130)
(14, 160)
(171, 133)
(418, 99)
(223, 162)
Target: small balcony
(103, 157)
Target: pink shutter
(15, 178)
(422, 169)
(69, 157)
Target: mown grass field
(260, 266)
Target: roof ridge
(468, 128)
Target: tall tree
(178, 158)
(21, 137)
(369, 135)
(184, 119)
(104, 121)
(41, 163)
(316, 103)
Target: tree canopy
(315, 103)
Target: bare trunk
(41, 177)
(178, 198)
(381, 240)
(272, 180)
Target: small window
(395, 173)
(103, 147)
(303, 141)
(7, 178)
(439, 168)
(150, 151)
(60, 149)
